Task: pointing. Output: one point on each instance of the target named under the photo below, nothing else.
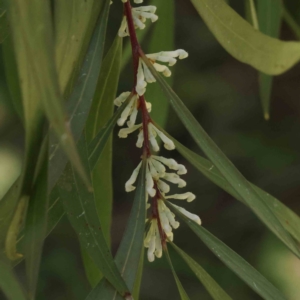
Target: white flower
(129, 184)
(144, 75)
(189, 197)
(191, 216)
(149, 181)
(131, 110)
(155, 171)
(167, 219)
(140, 15)
(172, 164)
(153, 132)
(173, 178)
(123, 133)
(153, 241)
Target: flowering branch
(162, 220)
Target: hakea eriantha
(160, 171)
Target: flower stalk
(158, 177)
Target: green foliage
(269, 18)
(181, 290)
(210, 284)
(101, 111)
(131, 248)
(8, 281)
(243, 42)
(63, 96)
(36, 222)
(81, 210)
(236, 263)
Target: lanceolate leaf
(80, 207)
(101, 111)
(96, 146)
(36, 222)
(139, 276)
(79, 102)
(243, 42)
(131, 248)
(11, 75)
(9, 284)
(56, 210)
(210, 284)
(253, 14)
(32, 34)
(224, 165)
(78, 107)
(269, 19)
(181, 290)
(233, 261)
(74, 22)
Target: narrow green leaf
(31, 24)
(181, 290)
(269, 18)
(80, 207)
(243, 42)
(92, 272)
(9, 284)
(131, 248)
(253, 14)
(79, 102)
(162, 39)
(33, 123)
(233, 261)
(78, 107)
(56, 210)
(96, 146)
(101, 111)
(224, 165)
(209, 283)
(289, 220)
(139, 276)
(74, 21)
(7, 208)
(4, 29)
(11, 75)
(36, 224)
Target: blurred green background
(223, 95)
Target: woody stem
(136, 49)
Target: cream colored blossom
(145, 76)
(140, 15)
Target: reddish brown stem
(136, 49)
(135, 46)
(136, 52)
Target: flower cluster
(140, 16)
(161, 172)
(145, 76)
